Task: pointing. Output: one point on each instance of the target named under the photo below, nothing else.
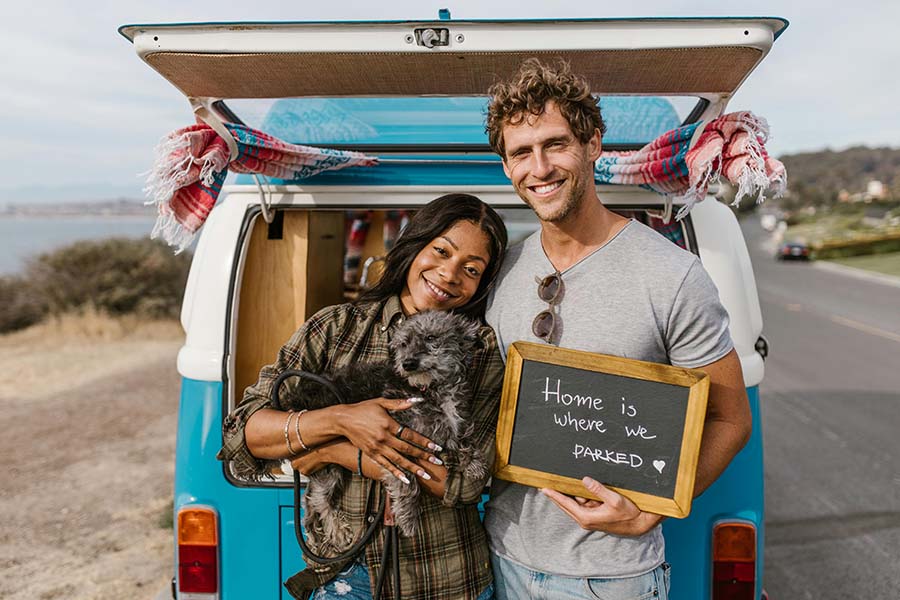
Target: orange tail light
(734, 561)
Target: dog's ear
(471, 333)
(475, 340)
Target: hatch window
(631, 121)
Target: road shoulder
(858, 273)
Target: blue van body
(257, 545)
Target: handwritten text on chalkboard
(622, 431)
(633, 425)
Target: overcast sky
(80, 111)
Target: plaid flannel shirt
(449, 557)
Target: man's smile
(545, 189)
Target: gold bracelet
(297, 428)
(287, 434)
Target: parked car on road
(792, 251)
(413, 93)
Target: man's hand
(615, 514)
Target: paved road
(831, 418)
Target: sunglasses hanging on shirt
(549, 290)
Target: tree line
(817, 178)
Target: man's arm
(728, 420)
(727, 429)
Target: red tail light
(734, 561)
(198, 550)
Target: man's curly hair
(528, 92)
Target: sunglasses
(549, 290)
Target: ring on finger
(400, 430)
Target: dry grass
(91, 326)
(887, 264)
(75, 348)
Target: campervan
(413, 94)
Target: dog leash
(392, 547)
(384, 514)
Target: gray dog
(430, 356)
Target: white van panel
(725, 257)
(206, 295)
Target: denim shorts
(513, 581)
(353, 584)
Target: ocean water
(24, 237)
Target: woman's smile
(440, 294)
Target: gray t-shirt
(638, 296)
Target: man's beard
(572, 202)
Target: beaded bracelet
(287, 433)
(297, 429)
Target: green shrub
(858, 248)
(166, 517)
(115, 275)
(20, 304)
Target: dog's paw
(406, 515)
(408, 528)
(404, 504)
(475, 470)
(472, 463)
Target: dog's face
(433, 346)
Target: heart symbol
(659, 465)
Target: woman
(446, 259)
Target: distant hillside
(119, 207)
(76, 192)
(818, 177)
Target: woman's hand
(369, 426)
(335, 452)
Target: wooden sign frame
(696, 380)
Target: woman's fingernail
(415, 400)
(424, 475)
(435, 460)
(433, 446)
(403, 478)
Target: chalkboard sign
(633, 425)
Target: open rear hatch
(704, 58)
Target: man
(593, 280)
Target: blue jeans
(512, 581)
(353, 584)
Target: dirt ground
(88, 439)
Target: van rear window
(630, 120)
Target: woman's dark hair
(429, 222)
